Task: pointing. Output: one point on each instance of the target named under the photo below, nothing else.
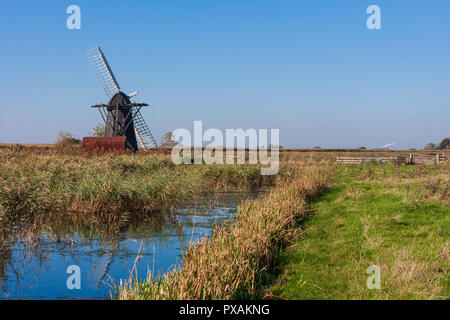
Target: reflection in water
(37, 269)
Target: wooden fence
(426, 159)
(365, 160)
(406, 159)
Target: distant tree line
(444, 144)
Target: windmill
(122, 117)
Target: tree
(66, 138)
(98, 130)
(66, 142)
(430, 146)
(445, 144)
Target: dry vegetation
(32, 185)
(394, 216)
(42, 190)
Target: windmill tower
(122, 117)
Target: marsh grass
(105, 195)
(110, 187)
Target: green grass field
(397, 218)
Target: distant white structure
(389, 145)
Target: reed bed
(231, 263)
(109, 190)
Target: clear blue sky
(310, 68)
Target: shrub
(98, 130)
(445, 144)
(65, 142)
(430, 146)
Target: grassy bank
(232, 263)
(397, 218)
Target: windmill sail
(103, 71)
(111, 86)
(143, 134)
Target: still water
(39, 271)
